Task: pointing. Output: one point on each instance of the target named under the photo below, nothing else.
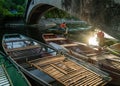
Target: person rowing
(64, 26)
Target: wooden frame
(67, 71)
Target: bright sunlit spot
(93, 41)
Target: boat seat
(46, 34)
(20, 40)
(92, 54)
(31, 56)
(26, 57)
(45, 61)
(69, 45)
(23, 48)
(54, 39)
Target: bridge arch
(37, 8)
(37, 12)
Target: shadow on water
(35, 33)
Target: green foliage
(18, 2)
(56, 13)
(12, 7)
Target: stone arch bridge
(103, 14)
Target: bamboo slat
(67, 72)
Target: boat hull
(10, 70)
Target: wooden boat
(104, 60)
(76, 48)
(47, 66)
(10, 75)
(115, 49)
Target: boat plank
(46, 60)
(20, 40)
(23, 48)
(54, 39)
(68, 45)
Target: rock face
(103, 14)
